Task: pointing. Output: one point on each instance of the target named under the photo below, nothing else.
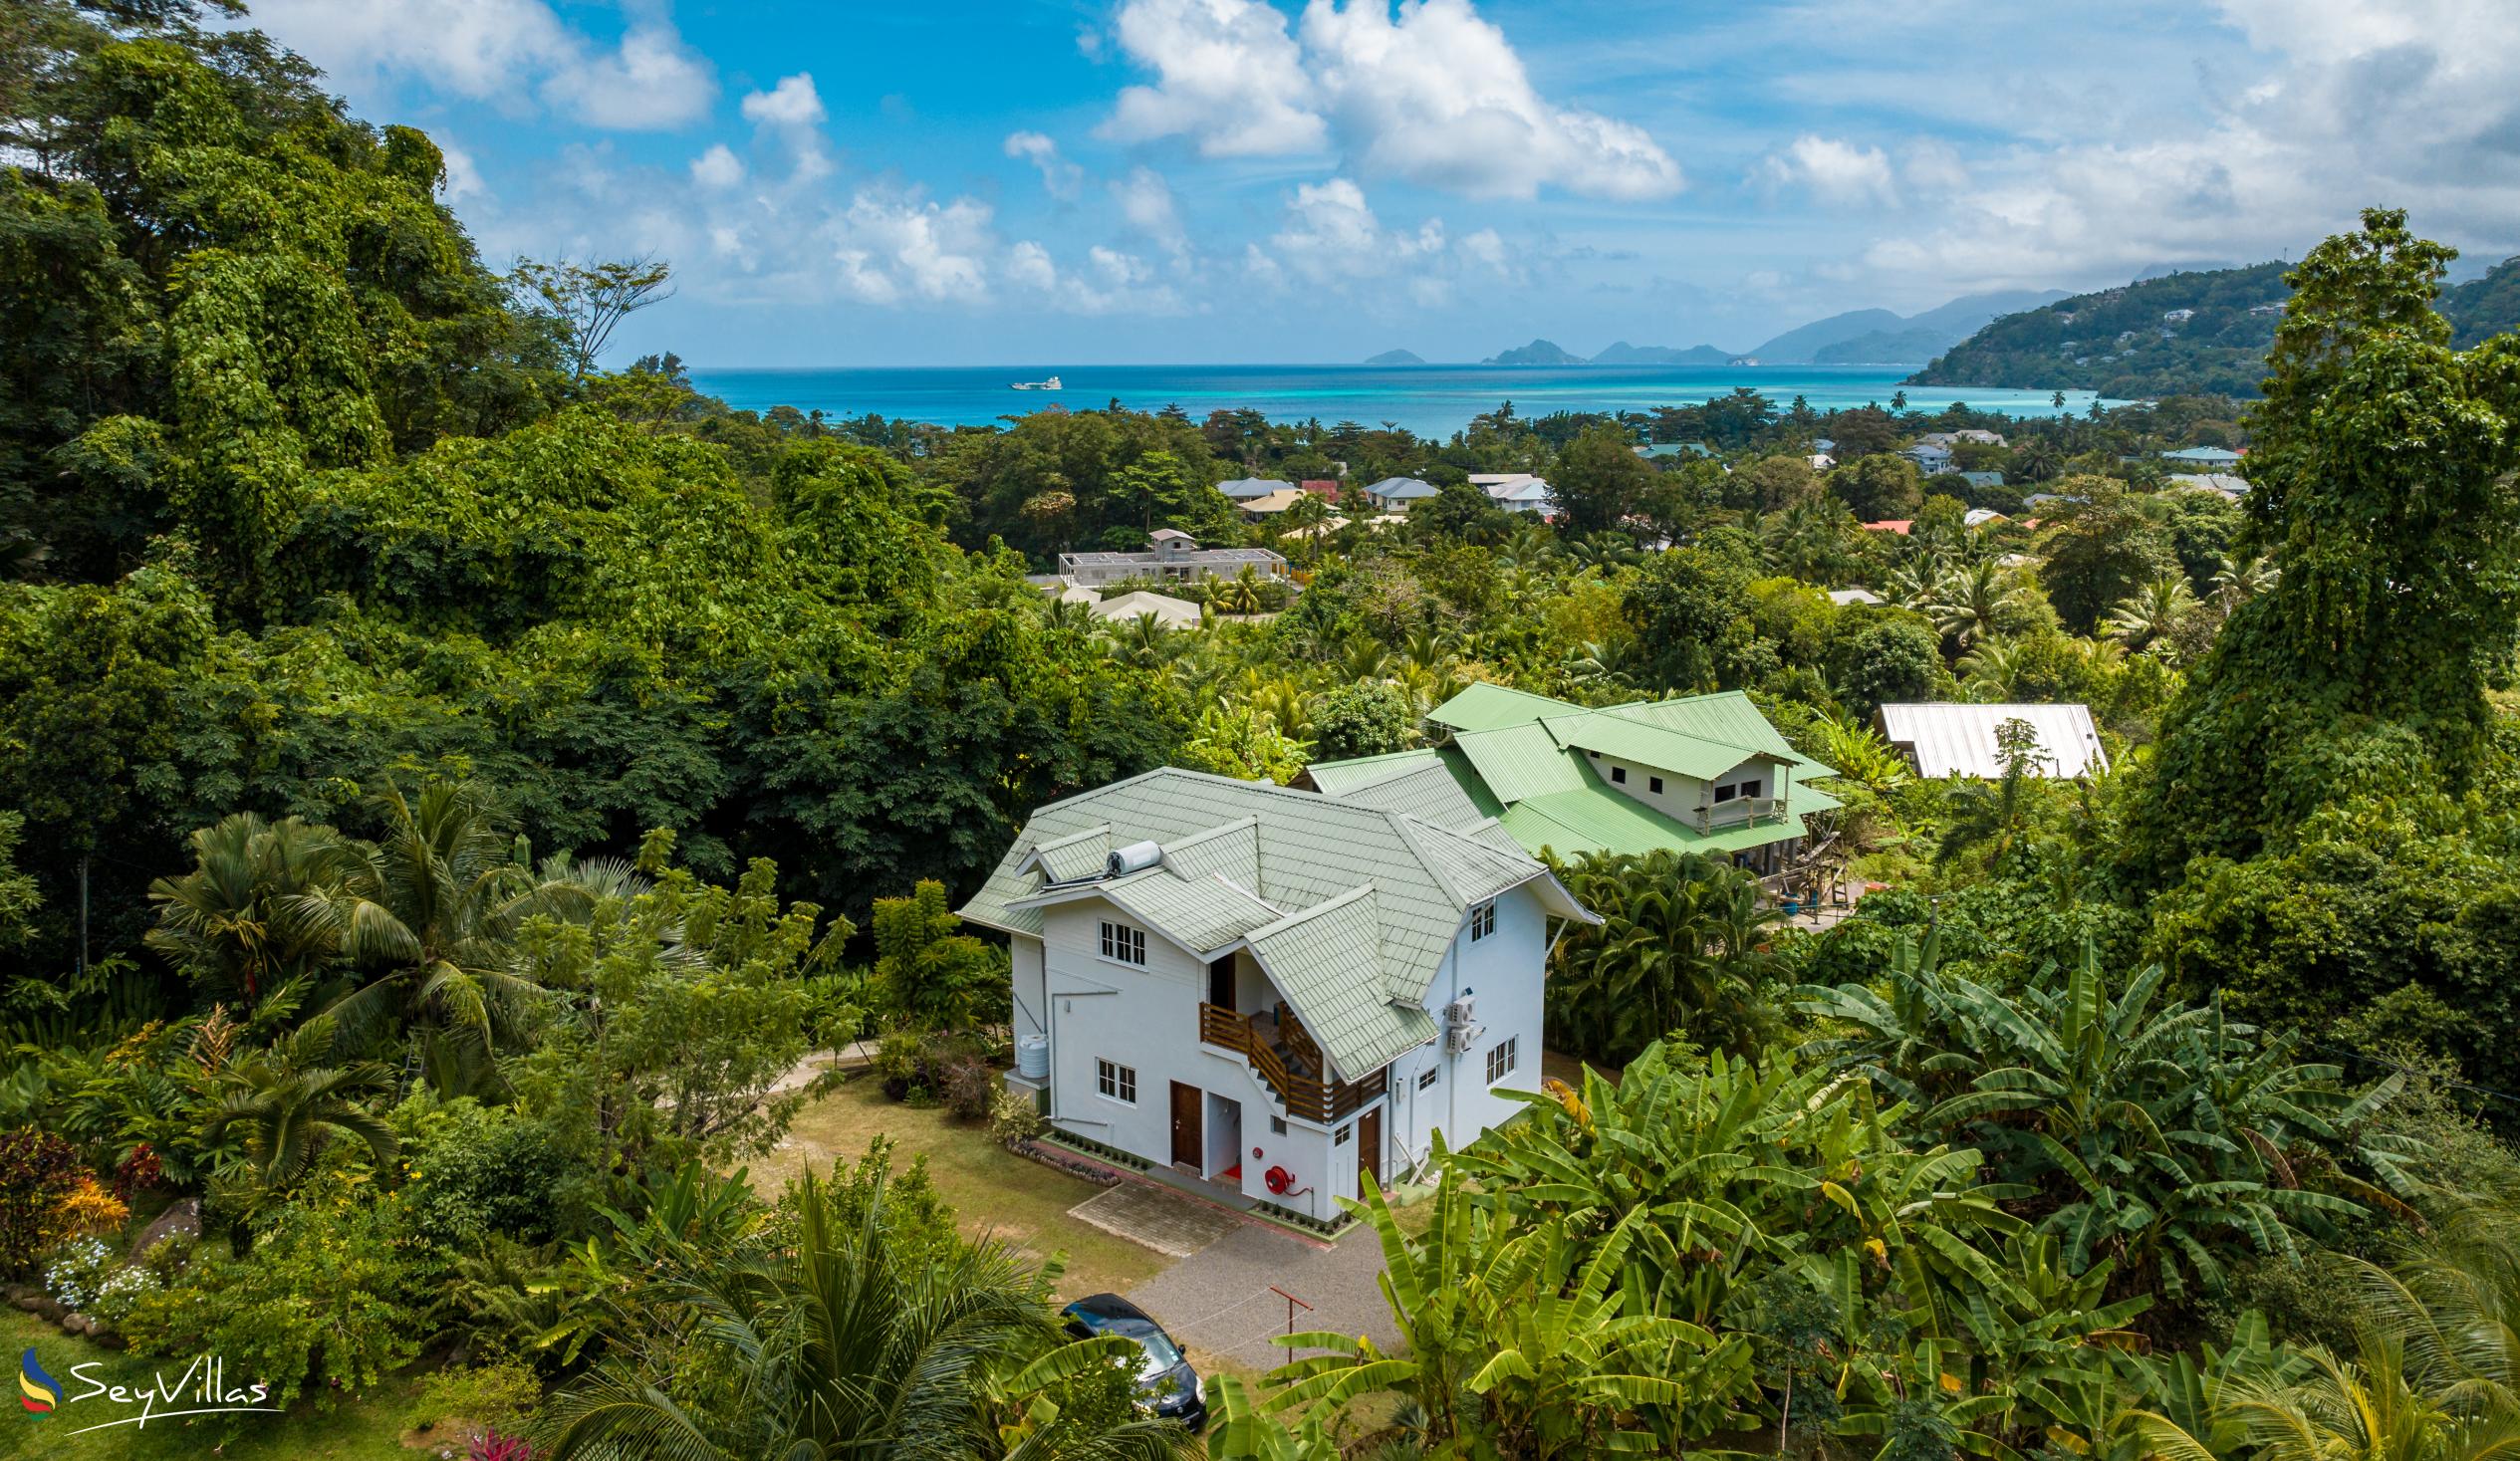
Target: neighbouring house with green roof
(1271, 990)
(1703, 774)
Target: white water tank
(1032, 1057)
(1136, 858)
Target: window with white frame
(1482, 921)
(1426, 1077)
(1120, 1082)
(1502, 1058)
(1124, 943)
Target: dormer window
(1482, 921)
(1125, 944)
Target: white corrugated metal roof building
(1949, 740)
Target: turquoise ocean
(1433, 401)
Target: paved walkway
(1218, 1298)
(1167, 1222)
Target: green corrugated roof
(1650, 745)
(1728, 716)
(1598, 820)
(1476, 870)
(1327, 960)
(1339, 778)
(1484, 706)
(1518, 761)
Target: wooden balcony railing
(1303, 1096)
(1742, 812)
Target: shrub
(965, 1082)
(38, 1173)
(479, 1170)
(481, 1402)
(1013, 1118)
(897, 1062)
(330, 1298)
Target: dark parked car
(1170, 1387)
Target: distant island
(1396, 358)
(1855, 338)
(1538, 353)
(1624, 353)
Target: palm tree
(1237, 595)
(432, 912)
(235, 920)
(1996, 670)
(1969, 602)
(2152, 613)
(1306, 515)
(292, 1107)
(1144, 641)
(2238, 580)
(844, 1347)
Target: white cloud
(1836, 172)
(1437, 96)
(1331, 236)
(934, 251)
(1059, 178)
(463, 176)
(501, 52)
(717, 168)
(1028, 264)
(1114, 282)
(1146, 201)
(792, 102)
(1228, 76)
(1431, 94)
(1486, 249)
(650, 82)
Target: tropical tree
(293, 1106)
(841, 1341)
(1516, 1341)
(1681, 950)
(431, 913)
(2151, 615)
(238, 923)
(1974, 599)
(2165, 1140)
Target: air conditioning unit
(1459, 1012)
(1462, 1039)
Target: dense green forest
(2132, 343)
(450, 787)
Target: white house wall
(1030, 1016)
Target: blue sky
(1227, 180)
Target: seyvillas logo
(37, 1391)
(201, 1390)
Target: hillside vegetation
(2126, 342)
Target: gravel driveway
(1218, 1298)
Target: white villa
(1271, 991)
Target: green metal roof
(1728, 716)
(1604, 820)
(1484, 706)
(1651, 745)
(1518, 761)
(1202, 915)
(1339, 778)
(1327, 961)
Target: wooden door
(1370, 1147)
(1190, 1137)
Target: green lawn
(368, 1428)
(1021, 1202)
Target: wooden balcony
(1300, 1089)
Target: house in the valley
(1245, 489)
(1703, 774)
(1514, 491)
(1170, 553)
(2203, 458)
(1395, 494)
(1270, 991)
(1951, 740)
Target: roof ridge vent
(1136, 858)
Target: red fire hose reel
(1279, 1179)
